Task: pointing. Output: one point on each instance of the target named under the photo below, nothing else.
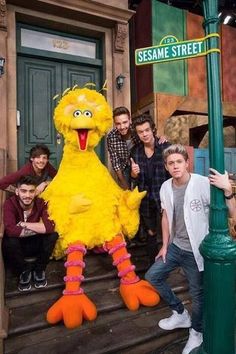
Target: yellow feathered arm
(128, 210)
(79, 204)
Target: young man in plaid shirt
(120, 141)
(148, 172)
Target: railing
(3, 309)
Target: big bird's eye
(87, 114)
(77, 113)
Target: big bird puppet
(89, 209)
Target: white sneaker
(176, 320)
(194, 340)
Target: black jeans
(15, 249)
(151, 221)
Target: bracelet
(23, 227)
(229, 196)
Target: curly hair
(144, 118)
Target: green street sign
(172, 49)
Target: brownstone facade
(105, 20)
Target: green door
(38, 82)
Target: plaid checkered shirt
(118, 149)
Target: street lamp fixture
(120, 82)
(2, 64)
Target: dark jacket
(160, 174)
(13, 214)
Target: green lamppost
(218, 248)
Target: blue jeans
(159, 272)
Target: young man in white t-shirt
(185, 200)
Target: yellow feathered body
(83, 199)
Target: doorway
(41, 75)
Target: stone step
(98, 266)
(113, 332)
(98, 279)
(109, 333)
(172, 342)
(104, 293)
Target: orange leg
(74, 269)
(121, 259)
(135, 292)
(74, 305)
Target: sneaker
(24, 281)
(40, 280)
(194, 340)
(176, 320)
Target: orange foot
(72, 309)
(140, 293)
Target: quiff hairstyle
(175, 149)
(144, 118)
(28, 180)
(121, 110)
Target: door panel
(79, 75)
(38, 82)
(230, 159)
(201, 160)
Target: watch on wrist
(229, 196)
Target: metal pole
(218, 248)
